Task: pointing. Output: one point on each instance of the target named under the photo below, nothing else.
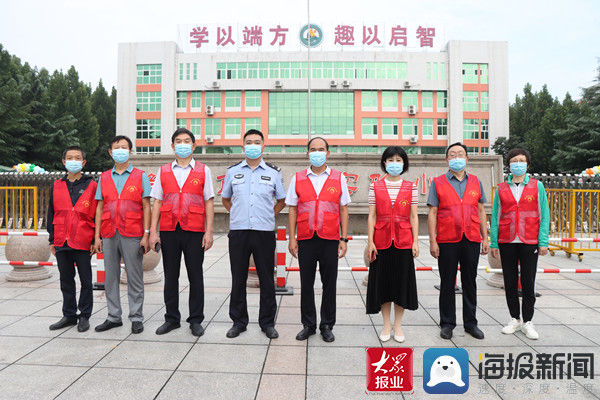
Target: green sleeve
(544, 216)
(494, 222)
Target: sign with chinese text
(389, 369)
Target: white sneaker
(529, 330)
(513, 326)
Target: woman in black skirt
(393, 227)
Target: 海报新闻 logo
(445, 371)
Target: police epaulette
(275, 167)
(231, 166)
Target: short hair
(182, 131)
(78, 148)
(315, 138)
(118, 138)
(254, 132)
(456, 144)
(390, 152)
(516, 152)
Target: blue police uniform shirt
(120, 179)
(252, 194)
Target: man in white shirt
(318, 199)
(183, 203)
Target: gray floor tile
(36, 381)
(328, 360)
(13, 347)
(243, 358)
(70, 352)
(185, 385)
(135, 354)
(342, 387)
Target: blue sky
(556, 43)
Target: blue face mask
(518, 168)
(120, 155)
(183, 150)
(73, 166)
(253, 151)
(457, 164)
(317, 158)
(394, 168)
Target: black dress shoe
(327, 334)
(83, 325)
(475, 332)
(167, 327)
(106, 325)
(271, 332)
(63, 323)
(137, 327)
(446, 332)
(197, 329)
(234, 331)
(305, 333)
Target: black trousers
(325, 252)
(511, 254)
(66, 260)
(466, 253)
(261, 244)
(173, 244)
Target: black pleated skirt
(392, 279)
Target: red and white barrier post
(100, 274)
(281, 251)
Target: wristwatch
(344, 239)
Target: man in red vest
(318, 199)
(457, 226)
(122, 231)
(71, 211)
(183, 203)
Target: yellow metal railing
(18, 208)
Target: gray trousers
(115, 248)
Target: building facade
(360, 101)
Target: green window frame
(196, 99)
(470, 128)
(252, 70)
(233, 127)
(196, 127)
(469, 73)
(442, 127)
(470, 101)
(212, 99)
(181, 99)
(369, 99)
(427, 100)
(369, 128)
(389, 127)
(147, 129)
(148, 101)
(389, 99)
(484, 101)
(483, 72)
(409, 98)
(221, 70)
(149, 74)
(427, 127)
(252, 123)
(233, 99)
(212, 127)
(181, 123)
(442, 100)
(410, 127)
(485, 129)
(252, 99)
(147, 149)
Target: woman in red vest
(519, 234)
(393, 228)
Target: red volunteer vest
(393, 221)
(319, 213)
(522, 219)
(74, 224)
(183, 205)
(123, 212)
(456, 216)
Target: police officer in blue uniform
(253, 193)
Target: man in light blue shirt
(253, 193)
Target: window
(442, 127)
(427, 98)
(212, 99)
(442, 100)
(428, 71)
(274, 149)
(242, 70)
(369, 100)
(181, 123)
(180, 71)
(427, 128)
(389, 127)
(359, 149)
(410, 127)
(149, 73)
(231, 71)
(233, 99)
(147, 149)
(252, 123)
(469, 73)
(484, 101)
(195, 71)
(443, 71)
(389, 100)
(263, 70)
(147, 129)
(273, 70)
(213, 127)
(485, 129)
(483, 68)
(196, 127)
(435, 71)
(196, 100)
(470, 101)
(433, 150)
(252, 70)
(472, 150)
(253, 99)
(284, 70)
(221, 71)
(470, 128)
(181, 99)
(369, 128)
(233, 128)
(148, 101)
(187, 71)
(223, 150)
(332, 113)
(485, 150)
(409, 99)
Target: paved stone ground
(36, 363)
